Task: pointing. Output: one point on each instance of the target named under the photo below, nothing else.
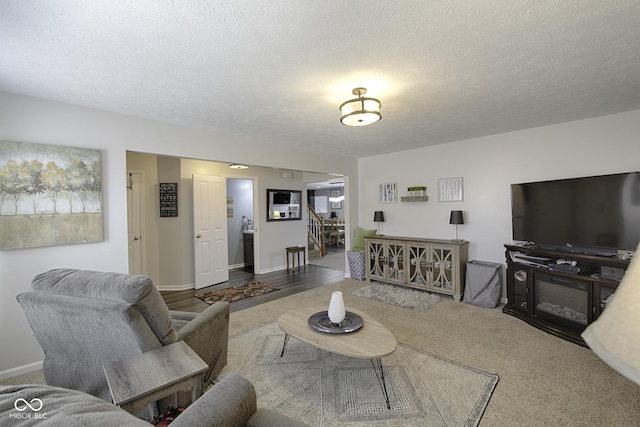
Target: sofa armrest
(187, 316)
(208, 335)
(268, 418)
(230, 402)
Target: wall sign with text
(168, 199)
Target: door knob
(136, 237)
(198, 236)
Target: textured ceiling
(278, 69)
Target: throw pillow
(358, 242)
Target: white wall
(40, 121)
(488, 165)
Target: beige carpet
(544, 380)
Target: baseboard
(272, 269)
(183, 287)
(234, 266)
(20, 370)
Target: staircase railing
(315, 231)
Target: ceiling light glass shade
(237, 166)
(360, 111)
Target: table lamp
(457, 219)
(378, 216)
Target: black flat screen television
(598, 214)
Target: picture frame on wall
(388, 193)
(56, 195)
(336, 199)
(450, 189)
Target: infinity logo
(34, 408)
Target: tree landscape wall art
(49, 195)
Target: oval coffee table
(372, 341)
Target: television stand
(560, 298)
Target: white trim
(184, 287)
(24, 369)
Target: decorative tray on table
(320, 322)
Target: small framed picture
(450, 189)
(336, 199)
(388, 193)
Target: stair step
(313, 253)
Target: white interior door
(210, 230)
(135, 222)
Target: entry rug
(236, 293)
(329, 390)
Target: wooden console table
(134, 383)
(429, 264)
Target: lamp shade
(360, 111)
(615, 335)
(456, 217)
(378, 216)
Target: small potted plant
(417, 191)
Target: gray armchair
(86, 319)
(229, 403)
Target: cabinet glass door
(395, 262)
(520, 289)
(376, 260)
(442, 266)
(603, 296)
(418, 264)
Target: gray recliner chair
(84, 320)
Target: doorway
(240, 223)
(327, 199)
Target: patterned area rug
(236, 293)
(402, 297)
(329, 390)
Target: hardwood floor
(289, 282)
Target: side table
(295, 251)
(134, 383)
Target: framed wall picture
(336, 199)
(168, 199)
(50, 195)
(388, 193)
(284, 205)
(229, 207)
(450, 189)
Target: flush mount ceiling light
(238, 166)
(360, 111)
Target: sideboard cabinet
(428, 264)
